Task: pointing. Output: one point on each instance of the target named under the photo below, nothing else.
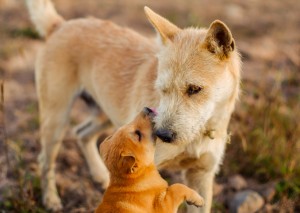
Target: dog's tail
(44, 16)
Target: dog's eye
(193, 89)
(139, 134)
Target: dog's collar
(211, 133)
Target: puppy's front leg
(177, 193)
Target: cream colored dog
(190, 75)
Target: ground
(265, 143)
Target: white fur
(43, 15)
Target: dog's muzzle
(166, 135)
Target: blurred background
(262, 163)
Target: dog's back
(88, 52)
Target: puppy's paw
(196, 200)
(52, 202)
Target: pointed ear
(128, 164)
(166, 29)
(219, 40)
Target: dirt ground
(265, 142)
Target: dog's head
(131, 148)
(198, 78)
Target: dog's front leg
(177, 193)
(202, 182)
(200, 178)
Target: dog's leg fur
(200, 178)
(96, 166)
(87, 135)
(177, 193)
(202, 182)
(53, 123)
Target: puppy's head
(130, 149)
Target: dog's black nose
(165, 135)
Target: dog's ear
(219, 40)
(166, 29)
(128, 164)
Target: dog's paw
(102, 179)
(52, 202)
(198, 202)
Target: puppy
(135, 184)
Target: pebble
(246, 201)
(237, 182)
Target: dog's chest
(201, 153)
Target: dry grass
(266, 143)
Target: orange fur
(135, 184)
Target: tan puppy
(135, 184)
(190, 75)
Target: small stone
(237, 182)
(247, 201)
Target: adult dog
(191, 75)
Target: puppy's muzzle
(166, 135)
(149, 112)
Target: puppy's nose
(165, 135)
(148, 111)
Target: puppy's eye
(193, 89)
(139, 134)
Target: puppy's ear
(128, 164)
(165, 29)
(104, 148)
(219, 40)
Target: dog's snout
(165, 135)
